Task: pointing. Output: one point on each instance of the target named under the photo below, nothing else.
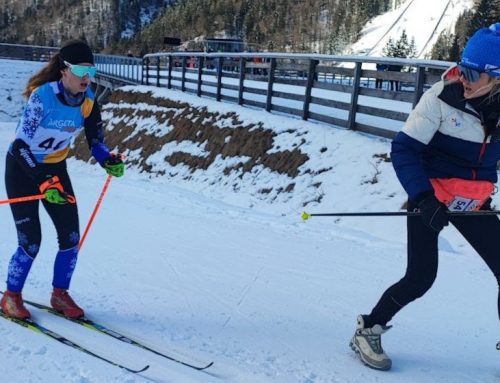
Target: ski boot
(12, 305)
(62, 302)
(367, 344)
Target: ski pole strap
(22, 199)
(306, 216)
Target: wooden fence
(344, 91)
(338, 90)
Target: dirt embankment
(222, 134)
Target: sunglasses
(472, 75)
(81, 70)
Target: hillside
(298, 26)
(49, 22)
(312, 25)
(321, 26)
(412, 17)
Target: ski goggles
(81, 70)
(472, 75)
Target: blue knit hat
(482, 51)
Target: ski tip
(305, 216)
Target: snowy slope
(13, 77)
(266, 296)
(423, 20)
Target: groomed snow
(267, 297)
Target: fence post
(243, 63)
(169, 79)
(270, 83)
(419, 85)
(145, 64)
(351, 121)
(136, 71)
(183, 76)
(311, 77)
(158, 72)
(220, 64)
(201, 63)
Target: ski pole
(96, 208)
(22, 199)
(305, 216)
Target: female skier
(60, 103)
(446, 160)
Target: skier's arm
(94, 132)
(28, 125)
(419, 129)
(405, 156)
(20, 150)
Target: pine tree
(487, 12)
(400, 48)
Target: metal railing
(338, 90)
(119, 69)
(27, 52)
(344, 91)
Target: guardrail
(27, 52)
(338, 90)
(119, 69)
(344, 91)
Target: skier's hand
(434, 213)
(54, 191)
(114, 165)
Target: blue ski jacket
(447, 136)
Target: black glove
(434, 213)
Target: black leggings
(26, 215)
(482, 232)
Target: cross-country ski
(90, 324)
(34, 326)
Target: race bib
(462, 195)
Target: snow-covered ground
(267, 297)
(422, 20)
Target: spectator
(379, 82)
(446, 159)
(395, 83)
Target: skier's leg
(65, 219)
(482, 233)
(27, 223)
(420, 274)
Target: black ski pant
(26, 215)
(482, 232)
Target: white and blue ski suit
(39, 150)
(445, 136)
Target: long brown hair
(495, 91)
(50, 72)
